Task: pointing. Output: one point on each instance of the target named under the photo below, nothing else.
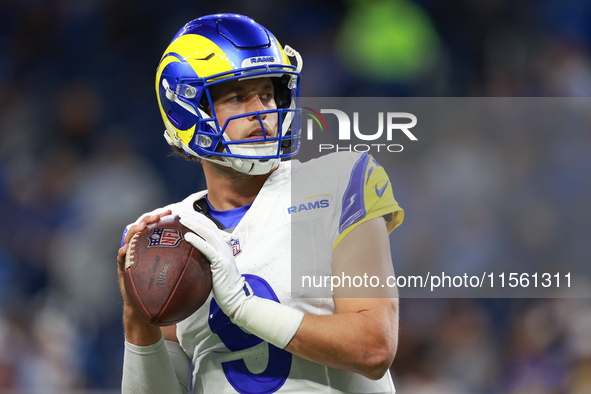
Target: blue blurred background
(82, 154)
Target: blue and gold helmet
(216, 49)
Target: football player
(229, 97)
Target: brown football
(166, 278)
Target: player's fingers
(149, 219)
(201, 245)
(144, 221)
(121, 255)
(165, 213)
(133, 229)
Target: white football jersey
(299, 216)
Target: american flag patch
(163, 236)
(235, 245)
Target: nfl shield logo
(235, 245)
(163, 236)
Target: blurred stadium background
(81, 154)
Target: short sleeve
(368, 195)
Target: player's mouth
(257, 134)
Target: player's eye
(236, 98)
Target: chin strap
(245, 166)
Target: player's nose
(255, 104)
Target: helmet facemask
(253, 156)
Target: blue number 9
(236, 371)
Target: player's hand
(267, 319)
(137, 331)
(230, 289)
(133, 229)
